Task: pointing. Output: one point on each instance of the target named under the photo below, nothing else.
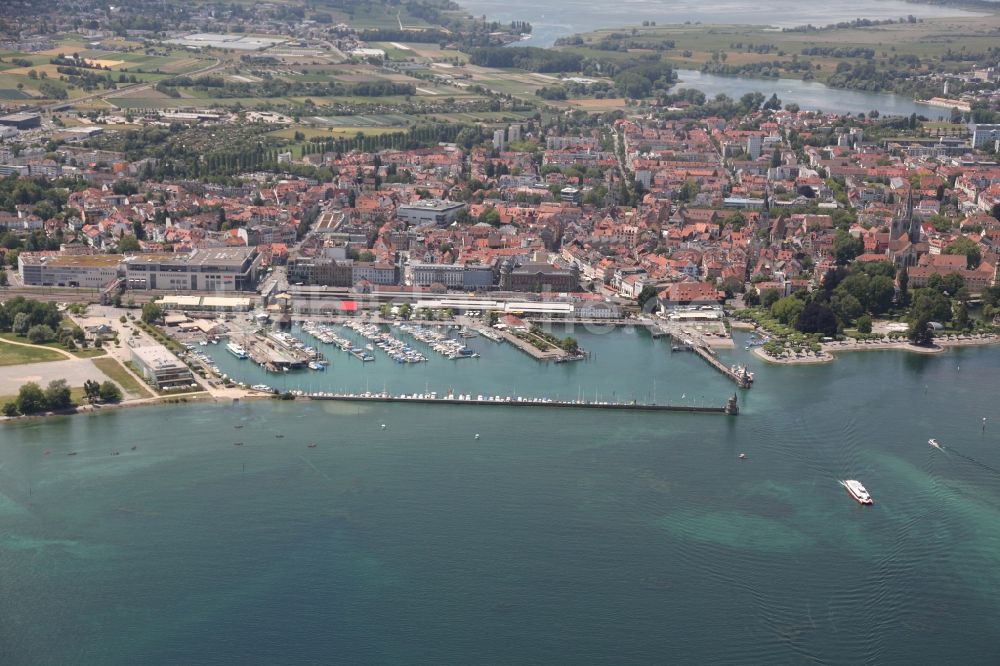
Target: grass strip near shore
(117, 372)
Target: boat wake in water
(977, 463)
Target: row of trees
(33, 399)
(20, 314)
(530, 58)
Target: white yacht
(237, 350)
(857, 491)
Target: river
(562, 18)
(558, 537)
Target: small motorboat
(279, 436)
(312, 446)
(477, 435)
(71, 453)
(743, 456)
(237, 443)
(383, 426)
(933, 442)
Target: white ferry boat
(237, 350)
(857, 491)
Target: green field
(117, 372)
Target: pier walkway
(691, 340)
(738, 374)
(730, 408)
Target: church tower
(912, 221)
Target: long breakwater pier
(731, 407)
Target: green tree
(788, 309)
(961, 320)
(904, 286)
(490, 216)
(930, 305)
(151, 312)
(57, 395)
(769, 297)
(846, 247)
(40, 333)
(3, 277)
(128, 244)
(31, 399)
(569, 344)
(864, 324)
(109, 392)
(21, 324)
(920, 332)
(881, 291)
(816, 318)
(648, 292)
(845, 306)
(92, 390)
(973, 255)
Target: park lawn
(117, 372)
(17, 355)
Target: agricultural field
(38, 79)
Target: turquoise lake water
(560, 536)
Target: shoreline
(829, 351)
(81, 410)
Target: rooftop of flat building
(432, 204)
(72, 260)
(216, 256)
